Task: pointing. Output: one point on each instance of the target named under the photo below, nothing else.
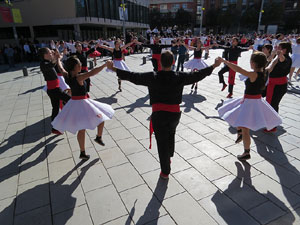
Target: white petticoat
(120, 64)
(254, 114)
(82, 114)
(195, 64)
(296, 60)
(62, 84)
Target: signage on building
(6, 14)
(17, 15)
(123, 12)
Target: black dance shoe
(99, 140)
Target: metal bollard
(25, 72)
(144, 60)
(91, 65)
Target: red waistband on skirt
(161, 107)
(80, 97)
(59, 74)
(52, 84)
(118, 59)
(252, 96)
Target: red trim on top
(84, 68)
(52, 84)
(161, 107)
(271, 85)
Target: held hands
(218, 62)
(109, 64)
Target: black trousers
(180, 62)
(221, 73)
(55, 95)
(154, 64)
(164, 126)
(279, 92)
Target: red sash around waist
(52, 84)
(271, 85)
(59, 74)
(157, 57)
(118, 59)
(161, 107)
(84, 68)
(80, 97)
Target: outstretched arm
(236, 68)
(93, 72)
(107, 48)
(192, 77)
(144, 79)
(127, 45)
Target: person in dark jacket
(165, 90)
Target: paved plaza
(43, 182)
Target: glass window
(175, 6)
(80, 8)
(92, 8)
(100, 8)
(184, 6)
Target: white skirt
(120, 64)
(195, 64)
(254, 114)
(82, 114)
(296, 60)
(62, 84)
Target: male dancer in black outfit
(82, 56)
(165, 90)
(47, 65)
(156, 52)
(232, 52)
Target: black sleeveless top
(76, 88)
(117, 54)
(255, 88)
(197, 54)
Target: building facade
(74, 19)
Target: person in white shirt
(295, 59)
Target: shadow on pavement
(152, 210)
(39, 196)
(238, 191)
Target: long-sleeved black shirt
(156, 49)
(165, 86)
(48, 70)
(83, 56)
(233, 52)
(282, 69)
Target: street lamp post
(201, 17)
(123, 7)
(260, 14)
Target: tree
(291, 20)
(183, 18)
(272, 14)
(155, 18)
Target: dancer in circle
(234, 52)
(49, 60)
(278, 82)
(196, 63)
(250, 112)
(165, 90)
(118, 56)
(81, 112)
